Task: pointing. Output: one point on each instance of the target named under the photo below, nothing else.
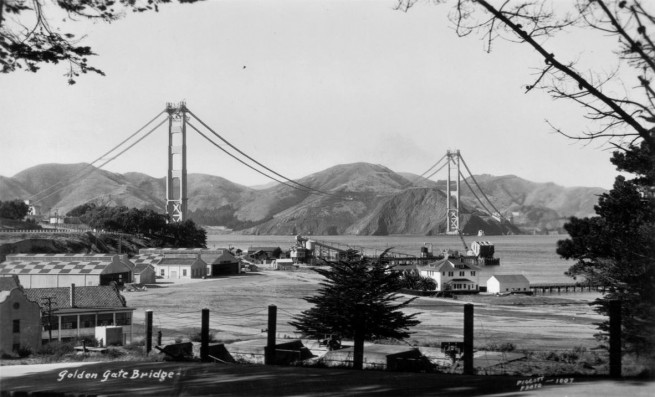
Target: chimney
(72, 295)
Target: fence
(484, 344)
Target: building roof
(55, 267)
(448, 265)
(177, 261)
(141, 267)
(150, 259)
(103, 296)
(510, 278)
(61, 257)
(226, 257)
(7, 283)
(461, 280)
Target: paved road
(194, 379)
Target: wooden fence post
(269, 352)
(615, 338)
(148, 331)
(204, 336)
(468, 339)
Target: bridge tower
(452, 214)
(176, 184)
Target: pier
(565, 287)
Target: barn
(501, 283)
(62, 270)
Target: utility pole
(49, 299)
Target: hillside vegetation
(363, 199)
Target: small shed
(144, 273)
(508, 283)
(224, 264)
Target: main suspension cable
(262, 165)
(76, 177)
(86, 167)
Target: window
(162, 272)
(123, 319)
(450, 274)
(184, 272)
(88, 321)
(462, 273)
(16, 326)
(68, 322)
(443, 273)
(105, 319)
(472, 273)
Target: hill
(358, 198)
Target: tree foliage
(14, 209)
(142, 221)
(616, 248)
(356, 287)
(29, 36)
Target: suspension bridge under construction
(180, 120)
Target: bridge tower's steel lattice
(176, 180)
(452, 214)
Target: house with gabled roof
(20, 317)
(62, 270)
(453, 273)
(74, 312)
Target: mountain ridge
(356, 198)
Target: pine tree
(357, 287)
(617, 249)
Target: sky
(302, 86)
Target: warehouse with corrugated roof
(62, 270)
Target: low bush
(196, 336)
(24, 351)
(56, 348)
(498, 347)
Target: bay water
(533, 256)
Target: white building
(452, 274)
(500, 283)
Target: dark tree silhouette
(29, 38)
(356, 287)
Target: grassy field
(239, 304)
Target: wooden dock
(565, 287)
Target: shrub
(196, 336)
(56, 348)
(24, 351)
(499, 347)
(115, 353)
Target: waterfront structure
(455, 274)
(500, 283)
(20, 317)
(74, 312)
(59, 270)
(264, 253)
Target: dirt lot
(239, 305)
